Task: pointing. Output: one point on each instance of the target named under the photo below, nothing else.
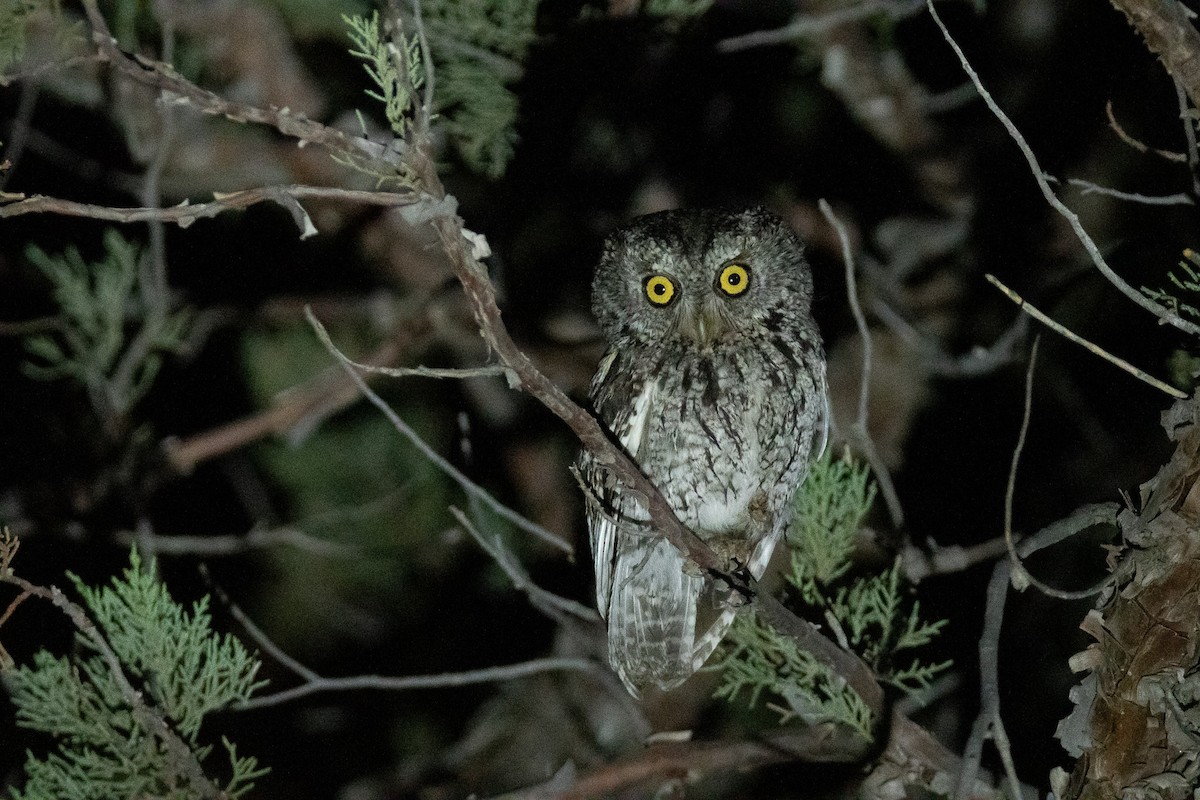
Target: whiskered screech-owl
(714, 383)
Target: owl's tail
(652, 615)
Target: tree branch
(179, 90)
(444, 680)
(186, 213)
(1163, 314)
(1171, 36)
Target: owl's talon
(728, 593)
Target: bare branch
(1163, 314)
(1171, 36)
(186, 213)
(989, 643)
(1187, 117)
(444, 680)
(1141, 147)
(19, 132)
(264, 642)
(1079, 340)
(989, 719)
(691, 760)
(469, 486)
(979, 360)
(862, 438)
(809, 25)
(538, 597)
(1178, 199)
(314, 683)
(431, 372)
(176, 89)
(236, 544)
(300, 406)
(919, 564)
(1021, 577)
(41, 70)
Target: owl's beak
(704, 324)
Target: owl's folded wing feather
(824, 417)
(630, 426)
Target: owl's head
(701, 278)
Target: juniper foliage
(104, 748)
(870, 614)
(113, 329)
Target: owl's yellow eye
(734, 279)
(660, 290)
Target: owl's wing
(824, 416)
(652, 615)
(630, 425)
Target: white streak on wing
(631, 433)
(826, 414)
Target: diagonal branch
(180, 90)
(481, 294)
(1165, 315)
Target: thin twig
(177, 89)
(1186, 116)
(1162, 313)
(186, 213)
(235, 544)
(668, 760)
(300, 406)
(49, 67)
(1021, 577)
(264, 642)
(863, 439)
(989, 642)
(989, 719)
(1079, 340)
(444, 680)
(432, 372)
(919, 564)
(1141, 147)
(1177, 199)
(468, 485)
(152, 271)
(19, 130)
(979, 360)
(538, 597)
(805, 26)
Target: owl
(714, 383)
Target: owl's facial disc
(705, 322)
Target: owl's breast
(723, 443)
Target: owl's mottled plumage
(720, 398)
